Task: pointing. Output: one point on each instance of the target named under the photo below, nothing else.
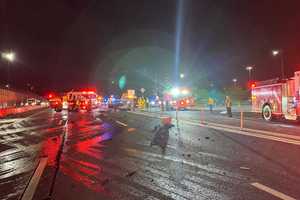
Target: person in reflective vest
(228, 105)
(210, 104)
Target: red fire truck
(277, 98)
(81, 100)
(179, 98)
(56, 103)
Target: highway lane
(21, 141)
(107, 155)
(250, 120)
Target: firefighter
(228, 105)
(210, 104)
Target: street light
(234, 80)
(276, 53)
(9, 57)
(182, 75)
(249, 69)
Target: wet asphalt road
(108, 156)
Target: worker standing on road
(210, 104)
(228, 105)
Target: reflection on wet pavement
(101, 160)
(83, 149)
(21, 142)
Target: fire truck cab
(56, 104)
(277, 98)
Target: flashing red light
(50, 96)
(253, 85)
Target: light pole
(249, 69)
(9, 57)
(276, 53)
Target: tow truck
(277, 98)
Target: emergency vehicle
(179, 98)
(185, 103)
(84, 100)
(277, 98)
(56, 103)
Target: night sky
(64, 44)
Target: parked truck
(277, 98)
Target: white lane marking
(286, 125)
(295, 137)
(248, 132)
(258, 135)
(272, 191)
(121, 123)
(31, 187)
(6, 121)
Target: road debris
(245, 168)
(131, 129)
(130, 174)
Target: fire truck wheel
(267, 112)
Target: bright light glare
(181, 75)
(9, 56)
(249, 68)
(275, 52)
(234, 80)
(175, 91)
(184, 91)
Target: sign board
(131, 94)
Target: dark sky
(63, 44)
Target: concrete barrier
(10, 111)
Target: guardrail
(10, 111)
